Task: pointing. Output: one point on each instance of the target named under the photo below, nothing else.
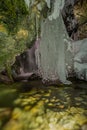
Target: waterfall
(52, 49)
(54, 55)
(27, 2)
(58, 6)
(51, 52)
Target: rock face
(76, 59)
(27, 66)
(70, 21)
(27, 60)
(80, 59)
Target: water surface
(34, 106)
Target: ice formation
(51, 52)
(48, 3)
(27, 2)
(50, 55)
(57, 55)
(58, 6)
(80, 58)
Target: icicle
(58, 6)
(51, 51)
(39, 6)
(48, 3)
(27, 2)
(37, 26)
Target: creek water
(34, 106)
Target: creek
(34, 106)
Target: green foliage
(9, 48)
(20, 26)
(13, 11)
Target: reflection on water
(32, 106)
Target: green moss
(13, 12)
(17, 30)
(9, 71)
(9, 49)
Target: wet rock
(5, 79)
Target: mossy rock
(3, 29)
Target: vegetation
(12, 12)
(19, 26)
